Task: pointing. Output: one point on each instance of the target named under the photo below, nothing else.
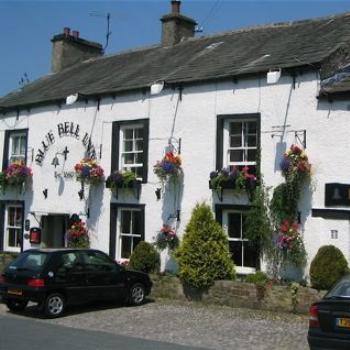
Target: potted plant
(77, 235)
(15, 175)
(167, 238)
(168, 167)
(123, 179)
(88, 171)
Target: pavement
(187, 324)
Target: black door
(104, 278)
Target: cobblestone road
(191, 324)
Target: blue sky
(26, 27)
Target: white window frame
(120, 234)
(122, 152)
(20, 156)
(243, 147)
(244, 270)
(8, 248)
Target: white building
(213, 86)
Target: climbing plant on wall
(296, 169)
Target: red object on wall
(35, 235)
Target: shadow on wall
(94, 203)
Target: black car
(329, 322)
(55, 278)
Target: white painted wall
(327, 128)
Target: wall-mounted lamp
(157, 87)
(81, 194)
(72, 99)
(55, 160)
(158, 193)
(273, 76)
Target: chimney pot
(75, 34)
(175, 7)
(66, 31)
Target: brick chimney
(176, 27)
(68, 49)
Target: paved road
(19, 334)
(188, 324)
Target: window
(237, 141)
(244, 254)
(98, 262)
(130, 230)
(15, 146)
(33, 261)
(13, 227)
(130, 147)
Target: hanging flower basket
(295, 163)
(168, 167)
(77, 235)
(290, 242)
(15, 175)
(121, 179)
(88, 171)
(166, 238)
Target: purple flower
(285, 164)
(168, 167)
(225, 172)
(85, 171)
(213, 174)
(233, 173)
(117, 177)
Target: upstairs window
(130, 147)
(238, 141)
(15, 147)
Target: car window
(341, 289)
(33, 261)
(96, 261)
(67, 262)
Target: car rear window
(33, 261)
(341, 289)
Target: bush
(327, 267)
(145, 258)
(203, 255)
(259, 278)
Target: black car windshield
(340, 290)
(32, 261)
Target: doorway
(54, 229)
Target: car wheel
(137, 294)
(54, 306)
(16, 305)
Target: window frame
(4, 205)
(222, 210)
(115, 234)
(116, 156)
(7, 146)
(222, 133)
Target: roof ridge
(269, 25)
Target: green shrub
(259, 278)
(145, 258)
(203, 255)
(327, 267)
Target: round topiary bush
(145, 258)
(327, 267)
(203, 255)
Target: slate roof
(221, 56)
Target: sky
(26, 26)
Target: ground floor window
(127, 229)
(244, 253)
(13, 227)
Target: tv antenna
(107, 16)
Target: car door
(70, 276)
(105, 279)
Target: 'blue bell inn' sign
(337, 195)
